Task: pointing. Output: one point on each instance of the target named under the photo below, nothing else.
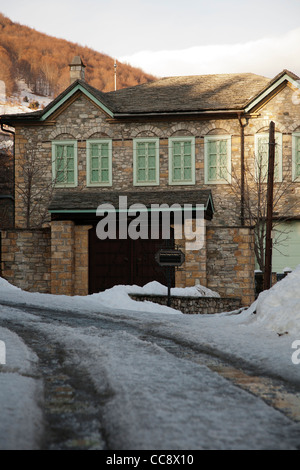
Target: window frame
(135, 163)
(214, 137)
(295, 177)
(54, 144)
(90, 183)
(171, 140)
(278, 135)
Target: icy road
(123, 382)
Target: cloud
(267, 56)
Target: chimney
(76, 69)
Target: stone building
(178, 140)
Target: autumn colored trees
(42, 61)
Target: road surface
(111, 383)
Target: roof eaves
(8, 119)
(179, 112)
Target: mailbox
(167, 257)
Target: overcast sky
(175, 37)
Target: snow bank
(155, 288)
(117, 297)
(6, 286)
(278, 308)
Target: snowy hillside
(23, 101)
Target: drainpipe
(242, 125)
(13, 133)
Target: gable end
(74, 91)
(270, 91)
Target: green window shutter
(262, 158)
(182, 161)
(141, 162)
(217, 160)
(99, 158)
(212, 160)
(59, 163)
(146, 155)
(64, 164)
(104, 162)
(70, 168)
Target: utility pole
(268, 248)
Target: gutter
(179, 113)
(242, 125)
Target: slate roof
(90, 200)
(191, 94)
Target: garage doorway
(125, 262)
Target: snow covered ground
(15, 104)
(18, 103)
(266, 336)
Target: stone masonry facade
(226, 263)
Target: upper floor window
(296, 157)
(217, 155)
(99, 162)
(262, 157)
(146, 162)
(182, 160)
(64, 163)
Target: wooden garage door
(125, 262)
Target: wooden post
(268, 248)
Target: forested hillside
(42, 61)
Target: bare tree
(35, 190)
(255, 202)
(36, 187)
(6, 186)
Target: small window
(146, 162)
(296, 157)
(262, 157)
(217, 151)
(182, 160)
(99, 163)
(64, 163)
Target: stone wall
(62, 257)
(193, 305)
(25, 259)
(231, 262)
(69, 258)
(48, 261)
(193, 270)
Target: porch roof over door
(71, 202)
